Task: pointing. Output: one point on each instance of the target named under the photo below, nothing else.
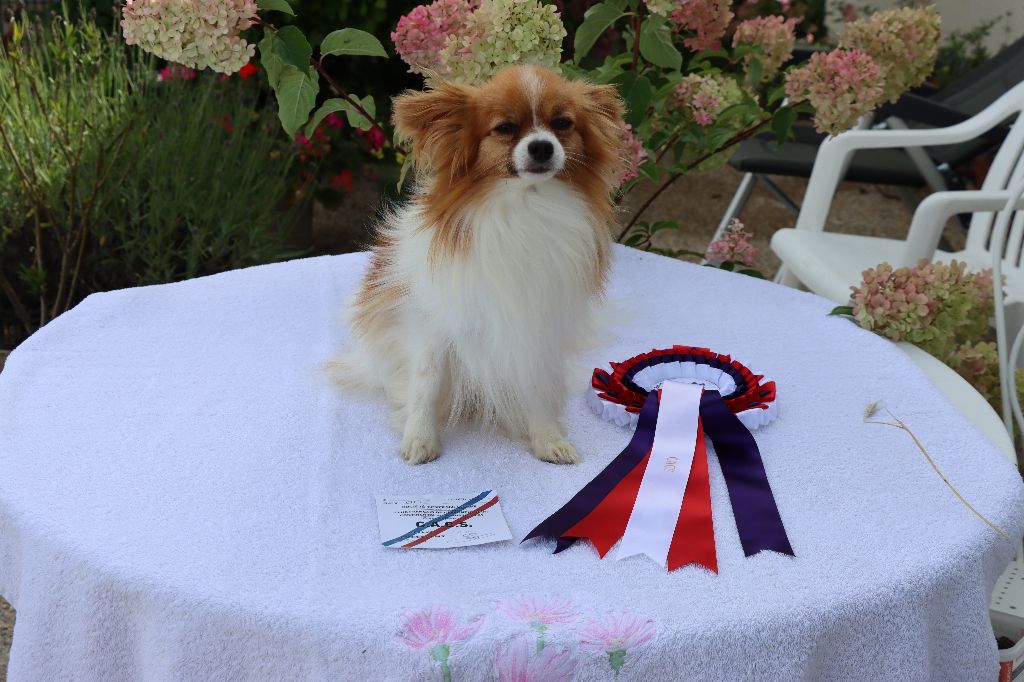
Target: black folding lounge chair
(759, 157)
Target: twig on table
(870, 412)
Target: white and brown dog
(482, 287)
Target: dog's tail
(350, 371)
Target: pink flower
(734, 246)
(538, 610)
(519, 663)
(248, 70)
(176, 72)
(426, 629)
(709, 19)
(334, 121)
(841, 85)
(421, 34)
(375, 136)
(634, 155)
(197, 33)
(775, 35)
(616, 635)
(619, 631)
(903, 42)
(702, 97)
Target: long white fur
(492, 330)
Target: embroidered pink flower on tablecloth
(519, 662)
(435, 630)
(539, 612)
(616, 635)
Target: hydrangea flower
(616, 635)
(661, 7)
(197, 33)
(421, 35)
(931, 305)
(709, 19)
(702, 97)
(775, 35)
(841, 85)
(500, 33)
(634, 155)
(735, 246)
(518, 663)
(903, 42)
(978, 363)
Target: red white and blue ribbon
(655, 496)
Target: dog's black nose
(540, 150)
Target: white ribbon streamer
(653, 520)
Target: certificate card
(439, 521)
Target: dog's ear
(605, 124)
(438, 124)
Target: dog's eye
(506, 128)
(561, 123)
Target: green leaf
(751, 272)
(635, 239)
(637, 92)
(352, 41)
(782, 123)
(283, 48)
(356, 119)
(664, 225)
(296, 96)
(330, 106)
(595, 22)
(275, 6)
(776, 94)
(656, 44)
(842, 310)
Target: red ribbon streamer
(693, 541)
(605, 525)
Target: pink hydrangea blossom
(197, 33)
(932, 305)
(634, 155)
(735, 246)
(775, 35)
(428, 628)
(421, 35)
(841, 85)
(539, 610)
(903, 42)
(518, 662)
(709, 19)
(703, 97)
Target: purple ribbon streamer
(591, 495)
(757, 517)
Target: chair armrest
(835, 152)
(932, 213)
(911, 107)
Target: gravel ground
(698, 202)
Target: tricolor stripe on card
(464, 507)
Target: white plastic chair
(830, 263)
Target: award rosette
(655, 496)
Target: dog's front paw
(420, 449)
(556, 451)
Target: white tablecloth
(184, 497)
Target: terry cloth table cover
(184, 497)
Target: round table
(184, 496)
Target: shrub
(109, 179)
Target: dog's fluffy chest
(531, 268)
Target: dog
(484, 285)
